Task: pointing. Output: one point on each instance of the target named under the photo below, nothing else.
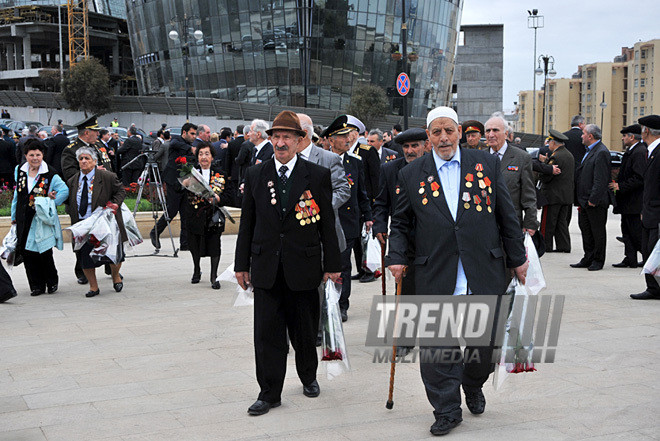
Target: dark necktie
(283, 177)
(82, 208)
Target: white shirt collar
(43, 168)
(501, 151)
(306, 152)
(259, 146)
(652, 146)
(439, 162)
(291, 164)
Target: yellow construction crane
(78, 31)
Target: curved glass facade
(307, 53)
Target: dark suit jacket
(358, 206)
(477, 237)
(232, 152)
(107, 188)
(574, 145)
(387, 153)
(516, 168)
(54, 148)
(371, 163)
(398, 148)
(7, 158)
(631, 180)
(270, 236)
(178, 147)
(129, 151)
(593, 177)
(559, 189)
(387, 196)
(265, 153)
(651, 200)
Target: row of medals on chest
(307, 211)
(483, 182)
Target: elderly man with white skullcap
(467, 236)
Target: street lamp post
(603, 104)
(185, 32)
(548, 69)
(534, 21)
(404, 36)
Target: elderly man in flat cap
(473, 130)
(650, 200)
(558, 190)
(456, 205)
(286, 246)
(628, 190)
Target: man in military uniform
(628, 191)
(358, 207)
(558, 190)
(473, 130)
(88, 134)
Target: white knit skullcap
(441, 112)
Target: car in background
(615, 158)
(18, 126)
(123, 134)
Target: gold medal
(490, 190)
(480, 175)
(314, 211)
(436, 194)
(466, 205)
(468, 184)
(479, 208)
(314, 219)
(421, 191)
(273, 201)
(490, 210)
(425, 201)
(298, 216)
(318, 217)
(308, 203)
(307, 221)
(302, 222)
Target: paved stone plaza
(167, 360)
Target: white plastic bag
(652, 265)
(373, 256)
(333, 348)
(132, 230)
(535, 281)
(244, 297)
(8, 248)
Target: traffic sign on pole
(403, 84)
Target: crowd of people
(308, 194)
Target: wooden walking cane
(382, 268)
(390, 401)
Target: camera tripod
(151, 173)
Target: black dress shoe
(475, 401)
(36, 292)
(82, 280)
(118, 286)
(645, 296)
(595, 266)
(357, 276)
(184, 247)
(155, 241)
(262, 407)
(344, 315)
(620, 239)
(215, 285)
(52, 289)
(367, 278)
(8, 295)
(91, 293)
(622, 264)
(196, 278)
(312, 390)
(443, 425)
(580, 264)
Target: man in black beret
(473, 130)
(650, 200)
(628, 190)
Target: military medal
(273, 201)
(479, 168)
(421, 187)
(425, 201)
(298, 215)
(398, 190)
(477, 201)
(430, 179)
(302, 223)
(490, 210)
(466, 199)
(469, 178)
(435, 187)
(482, 184)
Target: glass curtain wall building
(114, 8)
(307, 53)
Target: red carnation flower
(181, 160)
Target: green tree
(86, 87)
(368, 103)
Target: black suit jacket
(178, 148)
(270, 235)
(593, 177)
(265, 153)
(54, 148)
(479, 238)
(651, 201)
(232, 152)
(371, 163)
(574, 145)
(129, 151)
(631, 180)
(7, 158)
(387, 156)
(387, 195)
(398, 148)
(559, 189)
(357, 207)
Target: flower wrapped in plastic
(333, 343)
(132, 231)
(8, 248)
(192, 180)
(102, 231)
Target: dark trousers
(130, 176)
(276, 311)
(176, 203)
(631, 230)
(592, 221)
(359, 253)
(40, 269)
(556, 227)
(649, 239)
(346, 268)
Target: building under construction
(32, 38)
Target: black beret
(651, 121)
(472, 126)
(410, 135)
(635, 129)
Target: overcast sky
(575, 32)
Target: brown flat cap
(287, 120)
